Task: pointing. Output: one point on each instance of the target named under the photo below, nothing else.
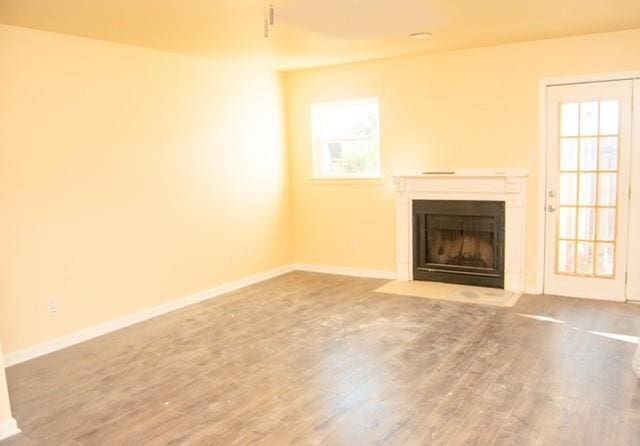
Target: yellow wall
(5, 408)
(127, 176)
(470, 108)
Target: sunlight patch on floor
(616, 336)
(541, 318)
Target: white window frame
(316, 109)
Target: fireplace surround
(458, 241)
(508, 186)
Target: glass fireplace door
(459, 242)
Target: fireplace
(508, 186)
(459, 241)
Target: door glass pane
(609, 117)
(608, 153)
(607, 189)
(568, 188)
(569, 154)
(587, 223)
(585, 258)
(588, 163)
(587, 189)
(605, 259)
(588, 118)
(567, 224)
(569, 118)
(588, 153)
(566, 256)
(606, 224)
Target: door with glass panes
(587, 193)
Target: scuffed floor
(309, 358)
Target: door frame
(543, 147)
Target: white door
(587, 195)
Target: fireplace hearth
(459, 241)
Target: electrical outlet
(52, 304)
(230, 256)
(250, 252)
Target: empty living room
(339, 222)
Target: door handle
(552, 193)
(551, 208)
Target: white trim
(116, 324)
(541, 200)
(633, 269)
(345, 271)
(585, 78)
(8, 428)
(348, 177)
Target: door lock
(551, 208)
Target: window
(346, 139)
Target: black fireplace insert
(459, 242)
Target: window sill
(365, 180)
(367, 177)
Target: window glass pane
(586, 223)
(588, 153)
(569, 154)
(567, 224)
(566, 256)
(585, 258)
(608, 153)
(347, 121)
(609, 117)
(346, 138)
(606, 224)
(605, 259)
(350, 157)
(569, 119)
(588, 118)
(607, 189)
(587, 189)
(568, 188)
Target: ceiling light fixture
(420, 36)
(269, 17)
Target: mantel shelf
(457, 173)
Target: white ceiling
(312, 33)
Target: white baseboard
(44, 348)
(346, 271)
(8, 428)
(77, 337)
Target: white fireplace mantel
(508, 185)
